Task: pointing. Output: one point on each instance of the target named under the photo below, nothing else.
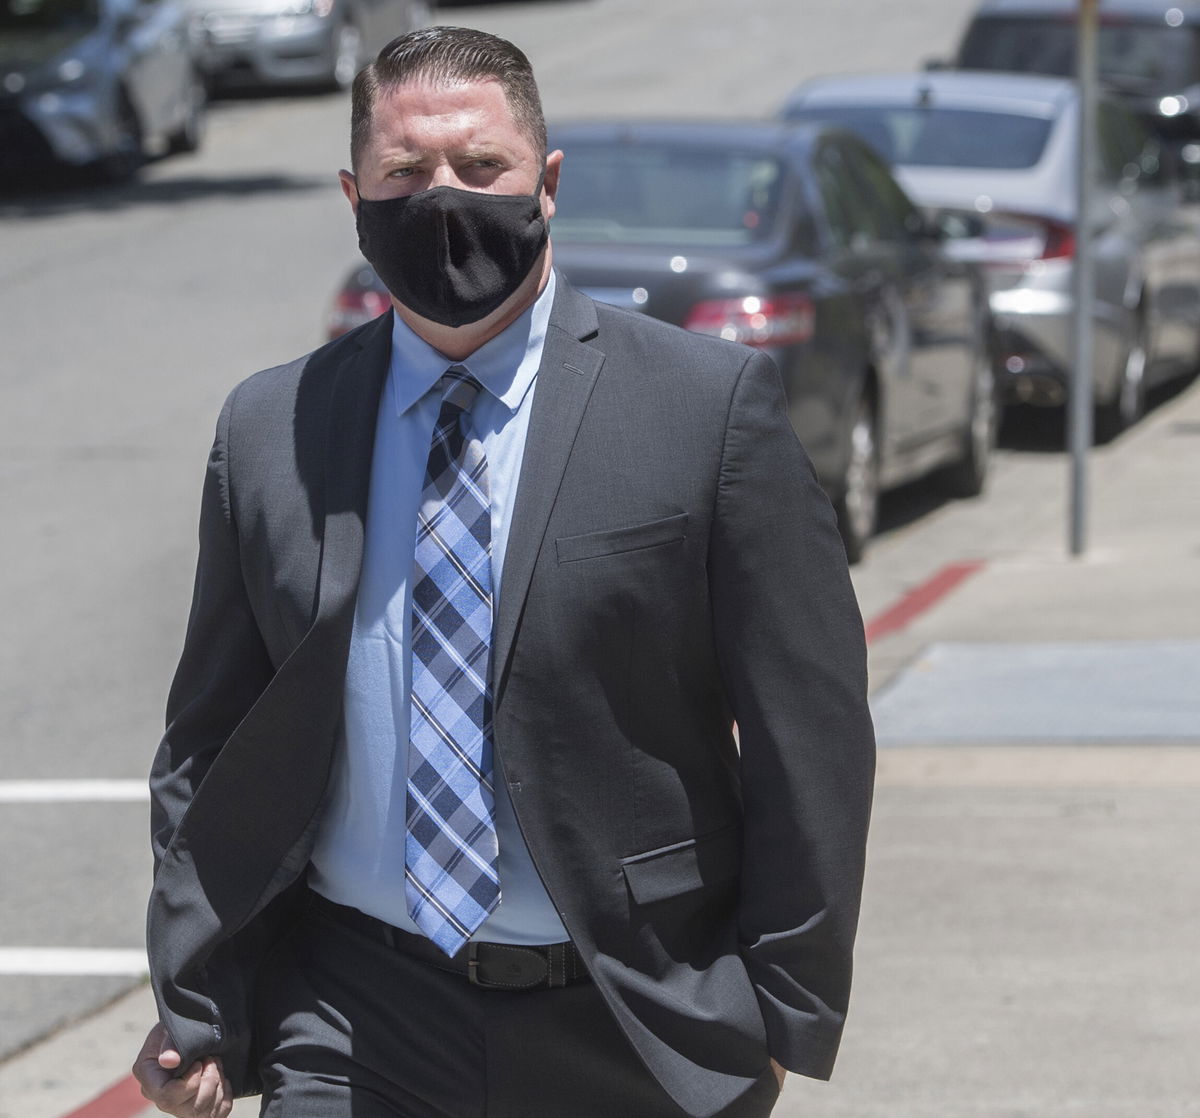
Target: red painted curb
(921, 598)
(121, 1100)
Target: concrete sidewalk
(1029, 936)
(1030, 929)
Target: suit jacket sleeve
(224, 666)
(793, 657)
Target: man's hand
(780, 1072)
(200, 1092)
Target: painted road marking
(90, 961)
(73, 791)
(920, 599)
(121, 1100)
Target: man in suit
(518, 760)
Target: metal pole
(1079, 417)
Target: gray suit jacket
(673, 566)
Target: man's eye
(402, 172)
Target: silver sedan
(996, 155)
(95, 83)
(298, 42)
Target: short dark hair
(449, 55)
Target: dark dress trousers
(673, 567)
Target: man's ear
(550, 181)
(349, 189)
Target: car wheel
(191, 130)
(968, 476)
(347, 53)
(858, 506)
(128, 154)
(1129, 401)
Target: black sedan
(798, 241)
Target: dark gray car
(319, 43)
(799, 242)
(1149, 51)
(95, 82)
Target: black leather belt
(490, 966)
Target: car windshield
(1139, 57)
(47, 14)
(940, 137)
(623, 193)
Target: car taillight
(1060, 241)
(1021, 239)
(353, 308)
(765, 320)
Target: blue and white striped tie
(451, 878)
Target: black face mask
(450, 255)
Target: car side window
(837, 195)
(887, 212)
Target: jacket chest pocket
(620, 541)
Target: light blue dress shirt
(359, 854)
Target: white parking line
(73, 791)
(72, 961)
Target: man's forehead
(476, 114)
(447, 95)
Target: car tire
(191, 130)
(1129, 401)
(128, 154)
(968, 476)
(347, 55)
(858, 505)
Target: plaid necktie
(451, 879)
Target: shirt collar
(506, 365)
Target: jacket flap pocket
(672, 870)
(615, 540)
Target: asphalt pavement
(1028, 942)
(1028, 935)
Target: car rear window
(623, 193)
(1139, 57)
(933, 137)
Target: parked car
(1149, 51)
(103, 83)
(999, 154)
(321, 43)
(799, 242)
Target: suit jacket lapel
(349, 445)
(286, 741)
(565, 381)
